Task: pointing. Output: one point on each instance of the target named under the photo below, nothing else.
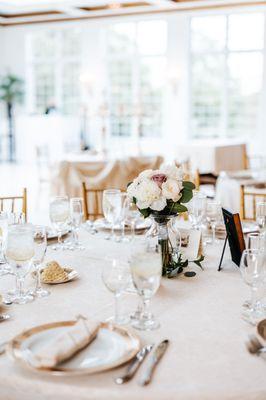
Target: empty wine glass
(213, 216)
(4, 268)
(59, 215)
(40, 246)
(252, 267)
(132, 217)
(125, 203)
(116, 277)
(112, 207)
(146, 271)
(19, 252)
(197, 209)
(261, 216)
(76, 213)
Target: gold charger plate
(112, 347)
(71, 273)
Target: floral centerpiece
(162, 194)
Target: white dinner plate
(141, 225)
(51, 234)
(112, 347)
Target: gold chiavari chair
(92, 199)
(9, 203)
(254, 198)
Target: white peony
(158, 205)
(146, 193)
(146, 174)
(171, 189)
(173, 172)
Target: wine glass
(112, 207)
(59, 215)
(261, 216)
(213, 216)
(252, 267)
(76, 213)
(40, 247)
(125, 203)
(116, 277)
(4, 268)
(19, 252)
(197, 208)
(256, 241)
(146, 271)
(132, 217)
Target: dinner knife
(153, 361)
(134, 365)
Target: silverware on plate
(134, 365)
(254, 346)
(153, 362)
(4, 317)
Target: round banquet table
(206, 359)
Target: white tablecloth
(213, 156)
(206, 359)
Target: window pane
(245, 72)
(71, 42)
(44, 79)
(152, 37)
(246, 32)
(152, 73)
(207, 95)
(208, 33)
(70, 87)
(44, 44)
(122, 38)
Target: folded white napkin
(65, 345)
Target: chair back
(249, 198)
(10, 203)
(92, 200)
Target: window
(226, 74)
(55, 59)
(136, 62)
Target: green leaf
(188, 185)
(187, 195)
(145, 212)
(190, 274)
(199, 261)
(178, 208)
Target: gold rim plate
(20, 350)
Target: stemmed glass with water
(19, 252)
(4, 267)
(253, 269)
(59, 216)
(76, 214)
(146, 271)
(112, 207)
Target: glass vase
(163, 233)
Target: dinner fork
(254, 346)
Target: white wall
(176, 129)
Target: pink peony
(159, 179)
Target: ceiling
(17, 12)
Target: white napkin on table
(66, 344)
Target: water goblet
(261, 216)
(40, 247)
(59, 215)
(112, 207)
(76, 214)
(213, 216)
(116, 277)
(19, 252)
(252, 267)
(146, 271)
(256, 241)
